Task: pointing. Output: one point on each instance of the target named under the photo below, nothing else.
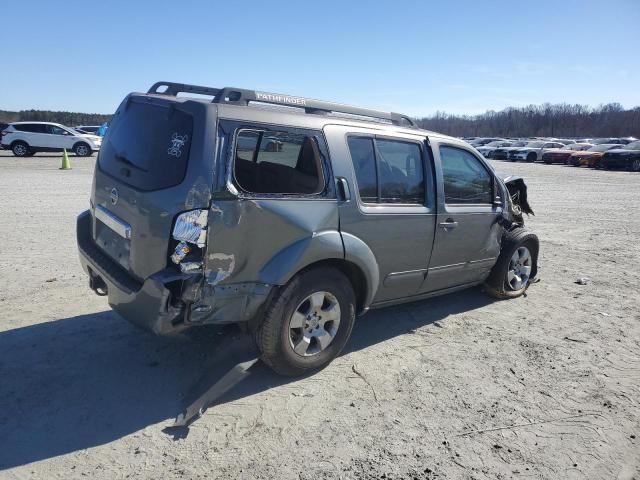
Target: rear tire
(524, 245)
(20, 149)
(82, 150)
(293, 334)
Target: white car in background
(27, 138)
(487, 150)
(533, 151)
(480, 141)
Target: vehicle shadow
(74, 383)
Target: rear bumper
(167, 301)
(145, 304)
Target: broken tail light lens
(191, 227)
(190, 230)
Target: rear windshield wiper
(125, 160)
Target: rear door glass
(147, 146)
(401, 175)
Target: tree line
(546, 120)
(65, 118)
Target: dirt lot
(546, 386)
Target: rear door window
(147, 146)
(387, 170)
(400, 170)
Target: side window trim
(379, 201)
(482, 164)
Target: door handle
(448, 223)
(343, 189)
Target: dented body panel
(265, 240)
(164, 274)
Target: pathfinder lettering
(269, 97)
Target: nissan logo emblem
(114, 196)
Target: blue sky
(414, 57)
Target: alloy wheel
(20, 150)
(314, 324)
(519, 268)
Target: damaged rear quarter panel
(244, 233)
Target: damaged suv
(290, 216)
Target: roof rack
(240, 96)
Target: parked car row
(606, 153)
(27, 138)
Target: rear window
(147, 146)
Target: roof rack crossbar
(240, 96)
(174, 88)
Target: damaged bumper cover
(167, 301)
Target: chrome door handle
(343, 188)
(449, 223)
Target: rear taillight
(190, 230)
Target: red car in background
(561, 155)
(592, 156)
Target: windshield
(602, 148)
(534, 144)
(574, 146)
(600, 141)
(633, 146)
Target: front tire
(308, 322)
(20, 149)
(517, 264)
(532, 157)
(635, 165)
(82, 150)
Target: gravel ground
(462, 386)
